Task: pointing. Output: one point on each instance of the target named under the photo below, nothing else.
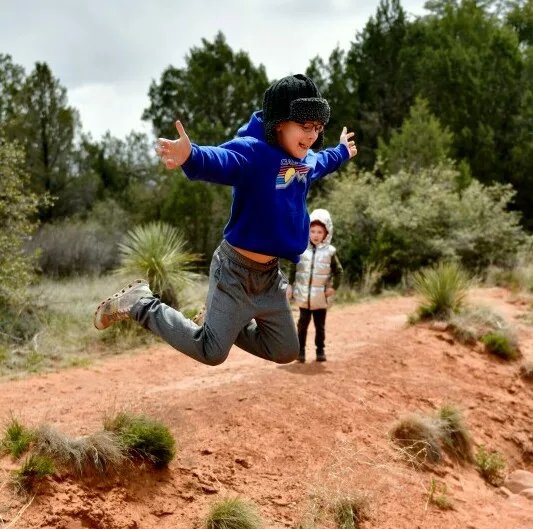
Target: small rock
(504, 491)
(519, 480)
(243, 462)
(528, 493)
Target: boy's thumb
(180, 129)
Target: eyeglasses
(310, 127)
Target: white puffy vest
(313, 276)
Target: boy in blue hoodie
(270, 166)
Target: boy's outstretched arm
(329, 160)
(174, 153)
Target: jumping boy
(270, 166)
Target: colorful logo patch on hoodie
(289, 171)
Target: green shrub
(34, 470)
(442, 289)
(438, 495)
(17, 439)
(499, 344)
(232, 513)
(406, 221)
(143, 438)
(490, 464)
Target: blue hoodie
(269, 209)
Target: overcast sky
(107, 52)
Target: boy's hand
(330, 291)
(350, 144)
(174, 153)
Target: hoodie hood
(254, 128)
(323, 216)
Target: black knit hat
(294, 98)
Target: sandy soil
(274, 434)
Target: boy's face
(317, 233)
(296, 138)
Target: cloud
(107, 53)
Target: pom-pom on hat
(293, 98)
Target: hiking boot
(118, 306)
(199, 317)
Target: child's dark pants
(246, 305)
(319, 319)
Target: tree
(419, 144)
(213, 95)
(382, 72)
(46, 126)
(17, 209)
(11, 81)
(470, 72)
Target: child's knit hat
(293, 98)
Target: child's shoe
(301, 358)
(118, 306)
(321, 357)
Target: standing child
(316, 277)
(270, 165)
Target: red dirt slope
(272, 433)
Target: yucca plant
(157, 252)
(442, 288)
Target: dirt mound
(274, 434)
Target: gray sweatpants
(246, 305)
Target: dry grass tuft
(455, 434)
(233, 513)
(419, 437)
(100, 452)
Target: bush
(490, 464)
(469, 325)
(17, 439)
(233, 513)
(405, 221)
(419, 437)
(455, 433)
(499, 344)
(443, 290)
(34, 470)
(73, 247)
(349, 511)
(17, 208)
(143, 438)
